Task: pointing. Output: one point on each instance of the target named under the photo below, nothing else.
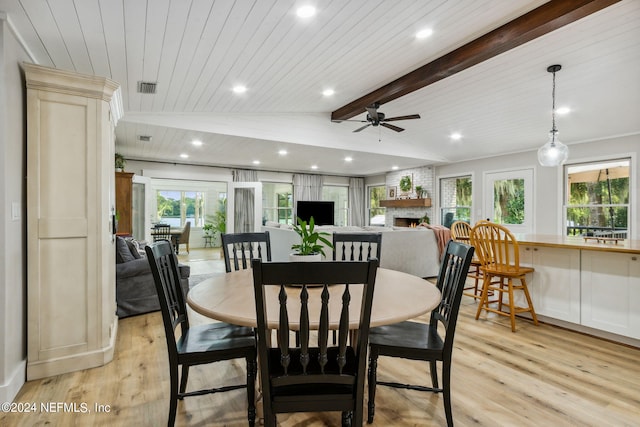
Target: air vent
(144, 138)
(147, 87)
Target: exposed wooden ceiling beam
(540, 21)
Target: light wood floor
(537, 376)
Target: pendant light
(554, 152)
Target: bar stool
(499, 256)
(460, 231)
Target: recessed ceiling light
(348, 159)
(423, 34)
(395, 168)
(184, 156)
(563, 110)
(282, 152)
(314, 166)
(306, 11)
(239, 89)
(328, 92)
(256, 162)
(197, 142)
(456, 136)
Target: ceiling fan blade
(365, 126)
(392, 127)
(409, 117)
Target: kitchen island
(588, 286)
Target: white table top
(230, 298)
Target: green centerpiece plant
(310, 239)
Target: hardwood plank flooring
(537, 376)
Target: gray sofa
(135, 290)
(410, 250)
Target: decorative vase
(294, 257)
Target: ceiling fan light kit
(554, 152)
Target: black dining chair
(161, 232)
(356, 246)
(242, 248)
(308, 377)
(419, 341)
(197, 344)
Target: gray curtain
(244, 201)
(307, 187)
(356, 202)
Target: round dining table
(230, 298)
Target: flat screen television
(322, 212)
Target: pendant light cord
(553, 107)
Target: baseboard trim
(9, 390)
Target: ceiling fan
(376, 118)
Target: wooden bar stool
(460, 232)
(499, 256)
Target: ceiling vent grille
(144, 138)
(147, 87)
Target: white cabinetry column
(70, 195)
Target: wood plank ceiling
(197, 50)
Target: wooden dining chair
(499, 256)
(461, 232)
(199, 344)
(419, 341)
(356, 246)
(313, 377)
(182, 238)
(242, 248)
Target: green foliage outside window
(508, 196)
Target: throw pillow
(133, 247)
(123, 253)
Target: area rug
(195, 279)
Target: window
(176, 208)
(597, 198)
(376, 213)
(340, 196)
(508, 201)
(455, 199)
(277, 202)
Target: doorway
(509, 199)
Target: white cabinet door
(611, 292)
(555, 284)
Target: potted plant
(120, 161)
(405, 184)
(309, 248)
(419, 191)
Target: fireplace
(406, 222)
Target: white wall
(12, 216)
(548, 181)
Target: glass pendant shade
(554, 152)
